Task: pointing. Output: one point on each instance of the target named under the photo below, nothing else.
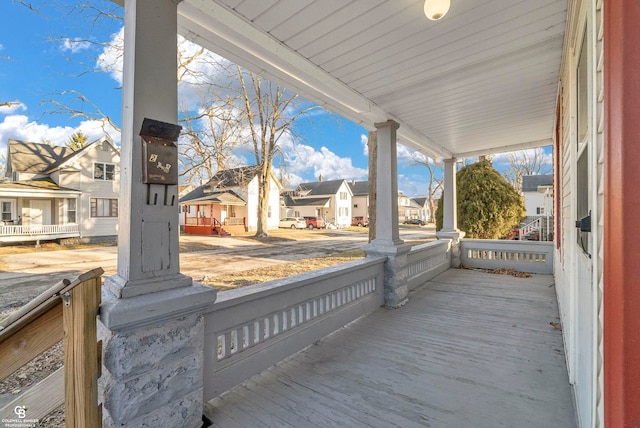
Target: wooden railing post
(80, 309)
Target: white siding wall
(578, 278)
(343, 205)
(90, 188)
(252, 204)
(362, 203)
(532, 201)
(274, 204)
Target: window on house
(104, 207)
(7, 210)
(71, 210)
(583, 200)
(540, 210)
(103, 171)
(355, 205)
(268, 211)
(343, 196)
(582, 92)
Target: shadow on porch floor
(470, 349)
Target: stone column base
(454, 236)
(152, 365)
(396, 288)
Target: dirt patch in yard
(282, 270)
(47, 246)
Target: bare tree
(435, 180)
(9, 103)
(526, 162)
(212, 135)
(269, 110)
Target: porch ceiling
(482, 80)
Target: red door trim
(621, 214)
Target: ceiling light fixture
(436, 9)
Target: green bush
(488, 207)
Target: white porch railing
(530, 228)
(426, 261)
(234, 221)
(524, 256)
(35, 232)
(252, 328)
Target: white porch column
(148, 226)
(151, 321)
(450, 215)
(387, 240)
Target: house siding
(83, 180)
(251, 196)
(342, 220)
(360, 206)
(578, 276)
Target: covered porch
(38, 210)
(483, 80)
(470, 349)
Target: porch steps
(217, 230)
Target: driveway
(29, 274)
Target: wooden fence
(67, 311)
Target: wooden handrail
(68, 311)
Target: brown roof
(35, 157)
(41, 184)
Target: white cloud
(409, 157)
(110, 60)
(206, 66)
(412, 185)
(13, 107)
(364, 140)
(74, 45)
(302, 161)
(18, 127)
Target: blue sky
(55, 53)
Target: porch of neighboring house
(214, 219)
(468, 349)
(39, 219)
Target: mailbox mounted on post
(159, 152)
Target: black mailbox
(159, 152)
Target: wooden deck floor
(469, 350)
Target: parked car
(315, 222)
(417, 221)
(360, 221)
(293, 223)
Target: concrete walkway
(469, 350)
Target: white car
(293, 223)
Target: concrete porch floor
(470, 349)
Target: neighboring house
(424, 212)
(538, 194)
(54, 192)
(228, 204)
(189, 209)
(408, 208)
(330, 199)
(360, 198)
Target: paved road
(29, 274)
